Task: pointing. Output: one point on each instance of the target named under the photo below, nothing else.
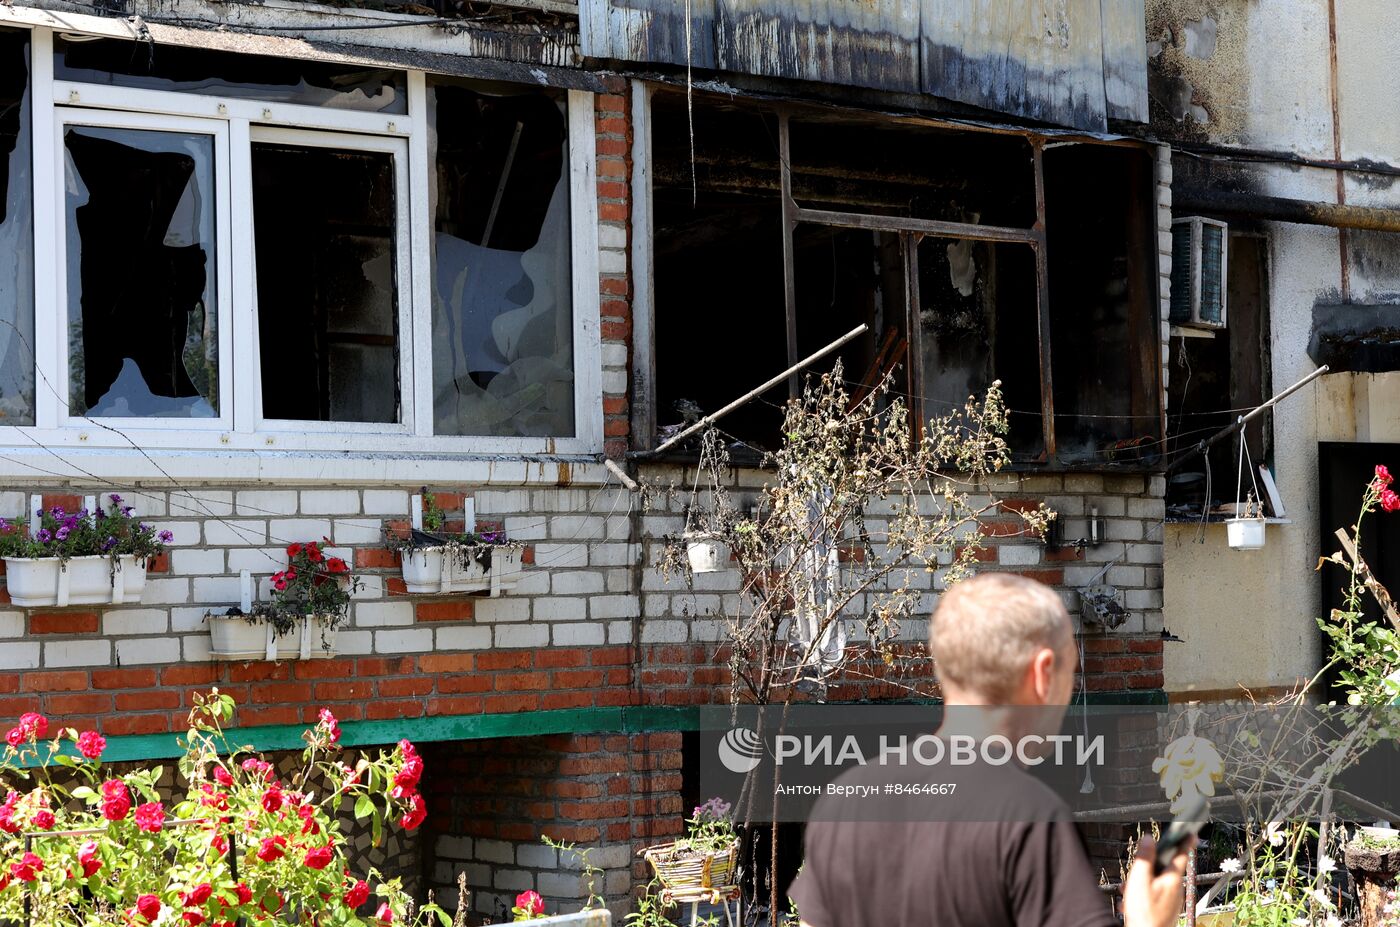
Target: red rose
(15, 736)
(1383, 475)
(34, 723)
(148, 906)
(385, 914)
(272, 798)
(357, 894)
(193, 918)
(28, 868)
(317, 858)
(43, 819)
(91, 744)
(150, 817)
(222, 776)
(330, 725)
(272, 848)
(87, 856)
(116, 801)
(416, 813)
(245, 894)
(197, 895)
(1390, 502)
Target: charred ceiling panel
(1067, 62)
(869, 43)
(1356, 337)
(649, 30)
(1041, 59)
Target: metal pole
(760, 390)
(1243, 420)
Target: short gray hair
(986, 629)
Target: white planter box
(438, 570)
(1245, 533)
(234, 638)
(94, 580)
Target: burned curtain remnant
(503, 349)
(142, 312)
(16, 234)
(978, 323)
(1103, 303)
(720, 324)
(148, 66)
(324, 234)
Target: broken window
(1103, 297)
(142, 312)
(977, 323)
(717, 250)
(325, 239)
(888, 168)
(934, 238)
(503, 322)
(148, 66)
(1214, 376)
(16, 234)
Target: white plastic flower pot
(706, 555)
(232, 637)
(1245, 533)
(439, 570)
(91, 580)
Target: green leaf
(64, 759)
(376, 829)
(444, 918)
(364, 807)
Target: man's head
(1003, 639)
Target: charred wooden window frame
(240, 427)
(1145, 322)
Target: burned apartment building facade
(1281, 141)
(278, 266)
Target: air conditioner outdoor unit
(1199, 257)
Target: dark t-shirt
(1001, 851)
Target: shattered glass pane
(149, 66)
(324, 236)
(16, 234)
(503, 351)
(142, 316)
(978, 323)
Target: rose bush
(242, 846)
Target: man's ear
(1043, 667)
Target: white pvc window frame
(237, 123)
(397, 149)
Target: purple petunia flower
(109, 544)
(116, 499)
(127, 510)
(490, 537)
(4, 525)
(56, 511)
(43, 536)
(166, 537)
(62, 533)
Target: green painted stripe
(625, 719)
(130, 747)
